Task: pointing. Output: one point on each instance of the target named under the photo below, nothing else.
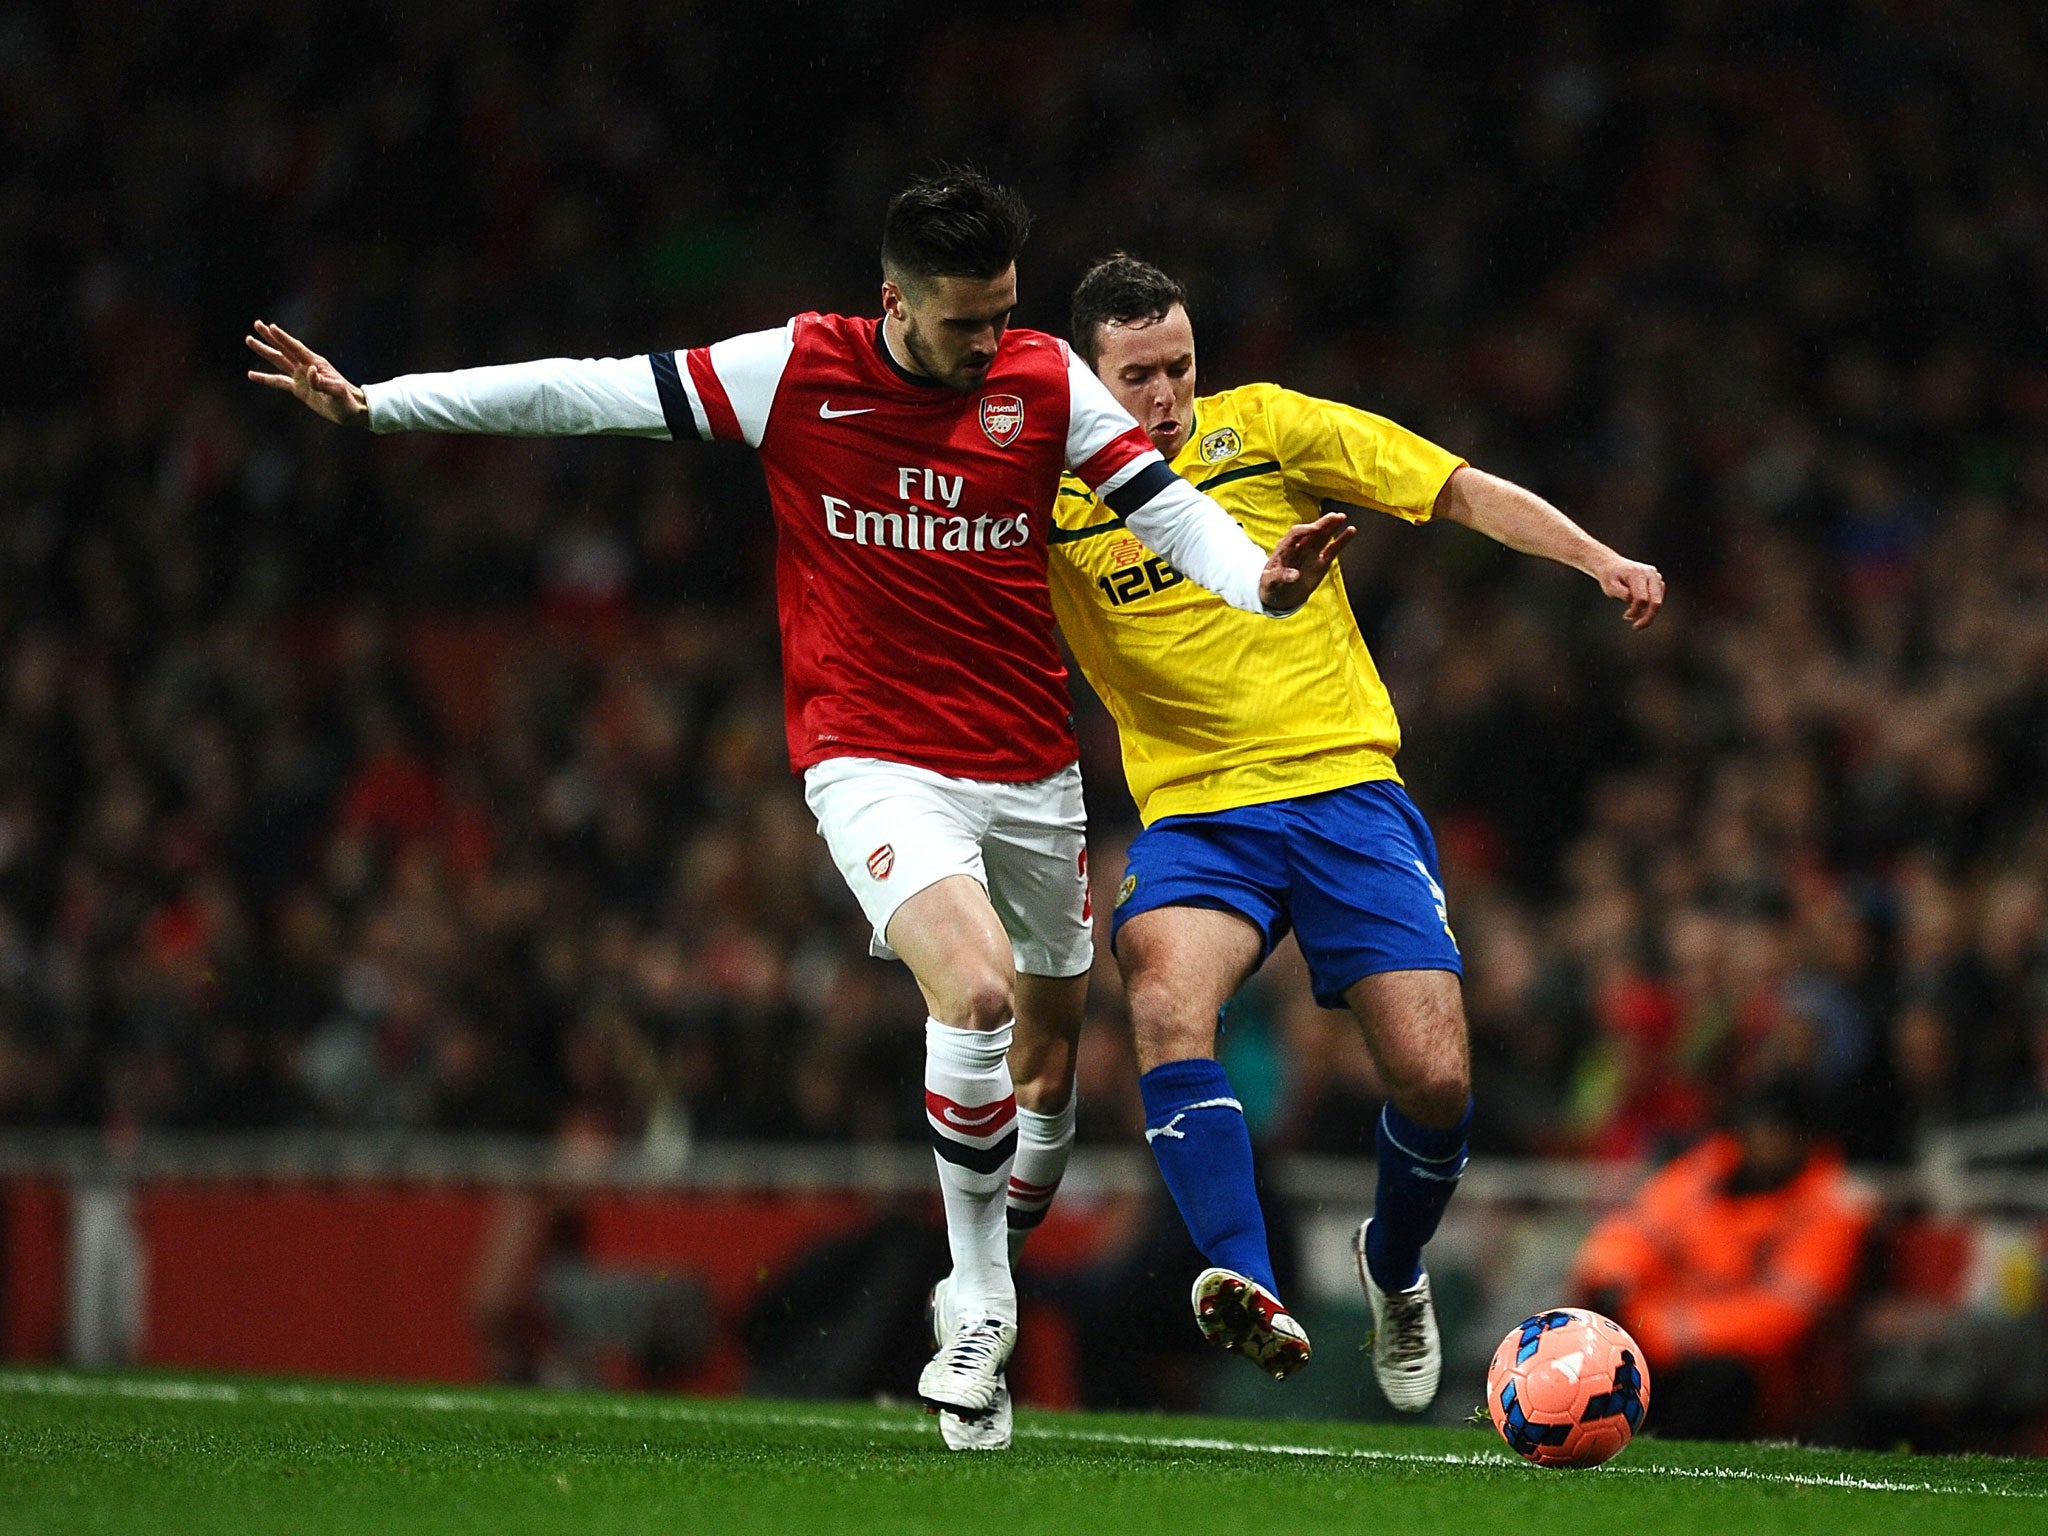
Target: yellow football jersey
(1219, 708)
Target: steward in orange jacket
(1724, 1264)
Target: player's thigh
(1180, 965)
(953, 942)
(908, 844)
(1363, 888)
(1203, 902)
(1414, 1024)
(1035, 848)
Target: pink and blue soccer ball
(1568, 1388)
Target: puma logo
(1172, 1127)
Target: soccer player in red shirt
(910, 462)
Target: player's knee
(978, 1000)
(1165, 1029)
(1046, 1093)
(1436, 1095)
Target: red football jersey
(911, 519)
(911, 525)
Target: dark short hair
(953, 223)
(1120, 289)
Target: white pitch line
(544, 1406)
(1270, 1448)
(1457, 1458)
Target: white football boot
(1237, 1313)
(989, 1429)
(1407, 1351)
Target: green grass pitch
(169, 1455)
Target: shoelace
(1404, 1321)
(976, 1347)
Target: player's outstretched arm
(304, 374)
(1526, 523)
(555, 397)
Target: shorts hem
(1382, 968)
(1205, 902)
(878, 943)
(1054, 975)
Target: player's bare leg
(1050, 1012)
(1044, 1049)
(953, 942)
(1414, 1024)
(1180, 966)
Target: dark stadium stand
(432, 785)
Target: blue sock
(1419, 1170)
(1197, 1133)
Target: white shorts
(894, 829)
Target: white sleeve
(726, 390)
(1199, 539)
(1116, 460)
(722, 391)
(557, 397)
(1102, 438)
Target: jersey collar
(901, 372)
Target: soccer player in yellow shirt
(1261, 756)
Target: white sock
(971, 1107)
(1043, 1144)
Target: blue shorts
(1353, 871)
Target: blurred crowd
(435, 783)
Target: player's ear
(895, 301)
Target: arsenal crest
(881, 861)
(1002, 418)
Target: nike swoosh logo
(827, 413)
(971, 1122)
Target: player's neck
(897, 350)
(893, 348)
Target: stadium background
(390, 795)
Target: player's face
(951, 326)
(1149, 365)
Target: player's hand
(1640, 586)
(305, 374)
(1302, 559)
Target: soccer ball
(1568, 1388)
